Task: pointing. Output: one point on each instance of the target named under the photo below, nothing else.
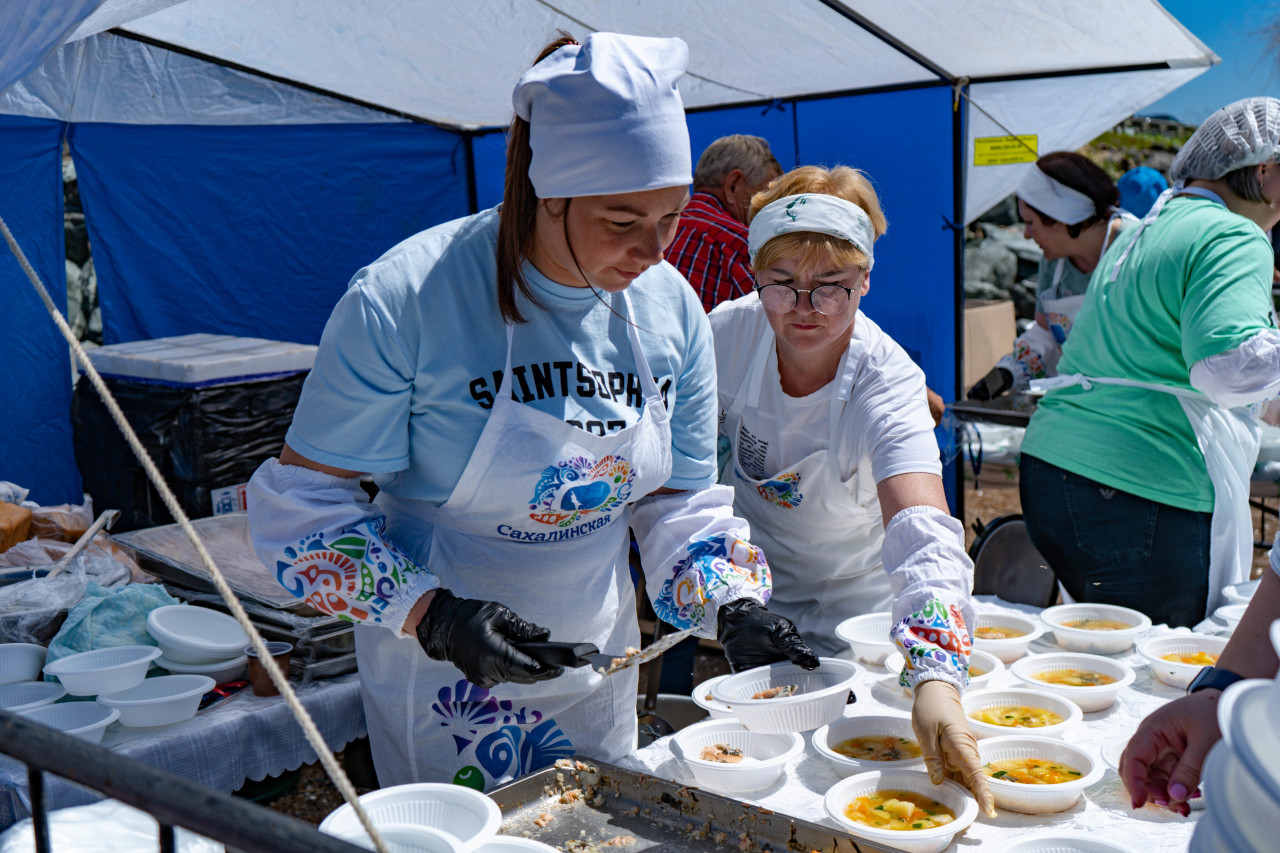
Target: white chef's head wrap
(823, 214)
(1054, 198)
(1245, 133)
(605, 117)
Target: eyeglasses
(828, 299)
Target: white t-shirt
(884, 429)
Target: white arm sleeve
(696, 556)
(326, 543)
(932, 578)
(1248, 374)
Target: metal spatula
(587, 654)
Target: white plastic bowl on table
(25, 695)
(1039, 799)
(1231, 614)
(990, 665)
(220, 671)
(1175, 673)
(159, 701)
(406, 838)
(84, 719)
(1238, 801)
(1065, 842)
(190, 634)
(1009, 649)
(983, 700)
(103, 670)
(703, 699)
(825, 740)
(1091, 641)
(513, 844)
(1240, 593)
(868, 636)
(820, 697)
(1090, 699)
(464, 813)
(765, 755)
(934, 840)
(20, 662)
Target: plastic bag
(32, 611)
(105, 827)
(63, 522)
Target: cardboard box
(989, 330)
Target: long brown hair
(519, 209)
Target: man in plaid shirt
(710, 248)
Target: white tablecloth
(1104, 809)
(243, 737)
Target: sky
(1231, 29)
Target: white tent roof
(453, 64)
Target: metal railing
(171, 800)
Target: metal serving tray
(614, 804)
(1009, 410)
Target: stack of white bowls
(1242, 773)
(198, 641)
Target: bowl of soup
(1176, 660)
(1091, 681)
(1005, 635)
(861, 744)
(783, 698)
(724, 756)
(1037, 775)
(996, 713)
(901, 809)
(868, 636)
(1097, 629)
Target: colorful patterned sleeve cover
(931, 576)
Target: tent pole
(959, 109)
(469, 150)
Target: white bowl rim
(59, 667)
(701, 690)
(415, 831)
(962, 822)
(4, 646)
(1073, 715)
(114, 699)
(842, 631)
(164, 633)
(820, 736)
(1146, 647)
(56, 688)
(843, 685)
(1227, 611)
(1035, 628)
(490, 819)
(1019, 669)
(198, 668)
(1097, 767)
(112, 714)
(1048, 614)
(1061, 835)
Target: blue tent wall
(35, 375)
(285, 216)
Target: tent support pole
(469, 150)
(959, 109)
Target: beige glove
(949, 747)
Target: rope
(331, 766)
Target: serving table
(1104, 809)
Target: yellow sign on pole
(1005, 150)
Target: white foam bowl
(1230, 614)
(1092, 641)
(1039, 799)
(934, 840)
(25, 695)
(990, 665)
(189, 634)
(20, 662)
(159, 701)
(1239, 802)
(1240, 593)
(1012, 648)
(868, 636)
(220, 671)
(513, 844)
(82, 719)
(825, 740)
(703, 699)
(464, 813)
(1090, 699)
(982, 700)
(1064, 842)
(1175, 673)
(765, 755)
(406, 838)
(103, 670)
(821, 695)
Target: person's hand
(949, 747)
(752, 636)
(992, 385)
(937, 406)
(1162, 761)
(478, 636)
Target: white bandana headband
(1054, 198)
(822, 214)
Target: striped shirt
(710, 249)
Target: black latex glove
(992, 385)
(752, 636)
(477, 637)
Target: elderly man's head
(733, 169)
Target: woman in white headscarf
(832, 457)
(525, 384)
(1135, 467)
(1070, 209)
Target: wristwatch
(1213, 677)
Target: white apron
(538, 522)
(822, 535)
(1229, 439)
